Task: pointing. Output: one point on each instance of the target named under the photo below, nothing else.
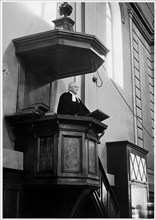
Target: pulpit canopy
(58, 53)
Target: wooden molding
(141, 22)
(58, 54)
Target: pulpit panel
(45, 154)
(92, 166)
(71, 153)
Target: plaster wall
(107, 97)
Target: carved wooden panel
(46, 154)
(71, 154)
(92, 157)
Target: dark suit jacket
(67, 107)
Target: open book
(98, 114)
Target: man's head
(73, 87)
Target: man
(69, 104)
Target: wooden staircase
(104, 197)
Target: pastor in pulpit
(70, 104)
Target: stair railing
(105, 196)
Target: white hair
(71, 84)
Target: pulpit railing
(105, 197)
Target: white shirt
(74, 98)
